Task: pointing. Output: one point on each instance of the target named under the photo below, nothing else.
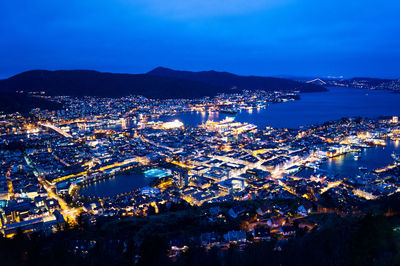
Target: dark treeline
(366, 240)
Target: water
(370, 158)
(348, 166)
(312, 108)
(116, 185)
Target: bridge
(317, 81)
(56, 129)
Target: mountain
(296, 78)
(15, 102)
(94, 83)
(230, 81)
(159, 83)
(375, 81)
(367, 83)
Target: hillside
(15, 102)
(155, 84)
(354, 239)
(93, 83)
(367, 83)
(230, 81)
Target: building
(180, 177)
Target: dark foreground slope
(367, 238)
(155, 84)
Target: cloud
(244, 36)
(184, 9)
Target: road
(70, 213)
(56, 129)
(9, 183)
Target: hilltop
(159, 83)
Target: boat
(228, 111)
(356, 157)
(362, 168)
(396, 157)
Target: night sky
(262, 37)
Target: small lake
(120, 183)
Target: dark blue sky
(263, 37)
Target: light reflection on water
(312, 108)
(115, 185)
(371, 158)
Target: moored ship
(228, 111)
(396, 157)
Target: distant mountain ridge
(159, 83)
(229, 81)
(367, 83)
(94, 83)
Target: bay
(312, 108)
